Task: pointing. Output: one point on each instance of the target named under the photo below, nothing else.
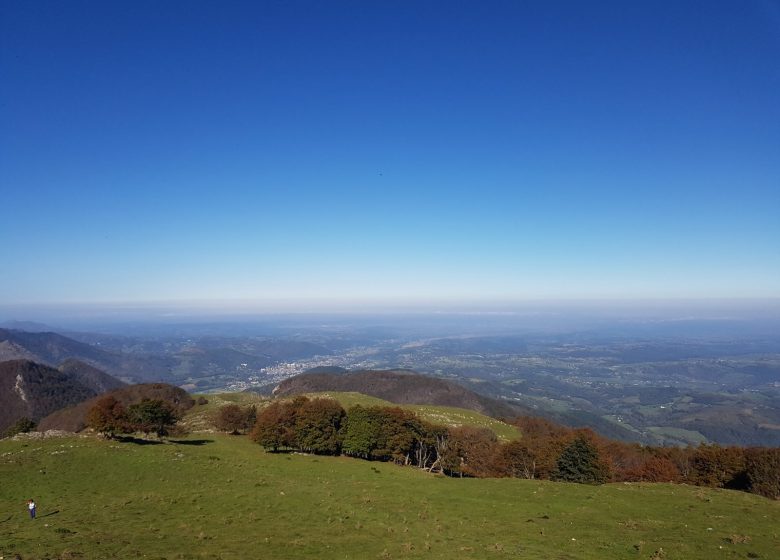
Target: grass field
(216, 496)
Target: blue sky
(388, 151)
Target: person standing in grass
(31, 507)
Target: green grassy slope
(442, 415)
(200, 417)
(225, 498)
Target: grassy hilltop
(435, 414)
(200, 417)
(216, 496)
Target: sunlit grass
(223, 497)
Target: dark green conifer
(580, 462)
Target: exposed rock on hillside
(32, 390)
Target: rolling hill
(399, 387)
(89, 376)
(32, 390)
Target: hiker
(31, 507)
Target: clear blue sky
(394, 151)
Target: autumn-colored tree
(400, 434)
(545, 440)
(682, 459)
(653, 467)
(518, 460)
(473, 452)
(235, 419)
(718, 467)
(533, 427)
(660, 469)
(580, 462)
(762, 467)
(275, 425)
(546, 450)
(317, 425)
(107, 417)
(623, 458)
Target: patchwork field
(215, 496)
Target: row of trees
(546, 450)
(754, 469)
(322, 426)
(110, 417)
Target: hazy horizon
(508, 315)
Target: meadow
(218, 496)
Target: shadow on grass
(138, 441)
(55, 512)
(142, 441)
(7, 519)
(191, 441)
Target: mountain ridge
(399, 387)
(32, 390)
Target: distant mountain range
(578, 383)
(201, 364)
(29, 326)
(52, 349)
(32, 390)
(89, 376)
(45, 347)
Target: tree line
(546, 450)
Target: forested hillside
(31, 390)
